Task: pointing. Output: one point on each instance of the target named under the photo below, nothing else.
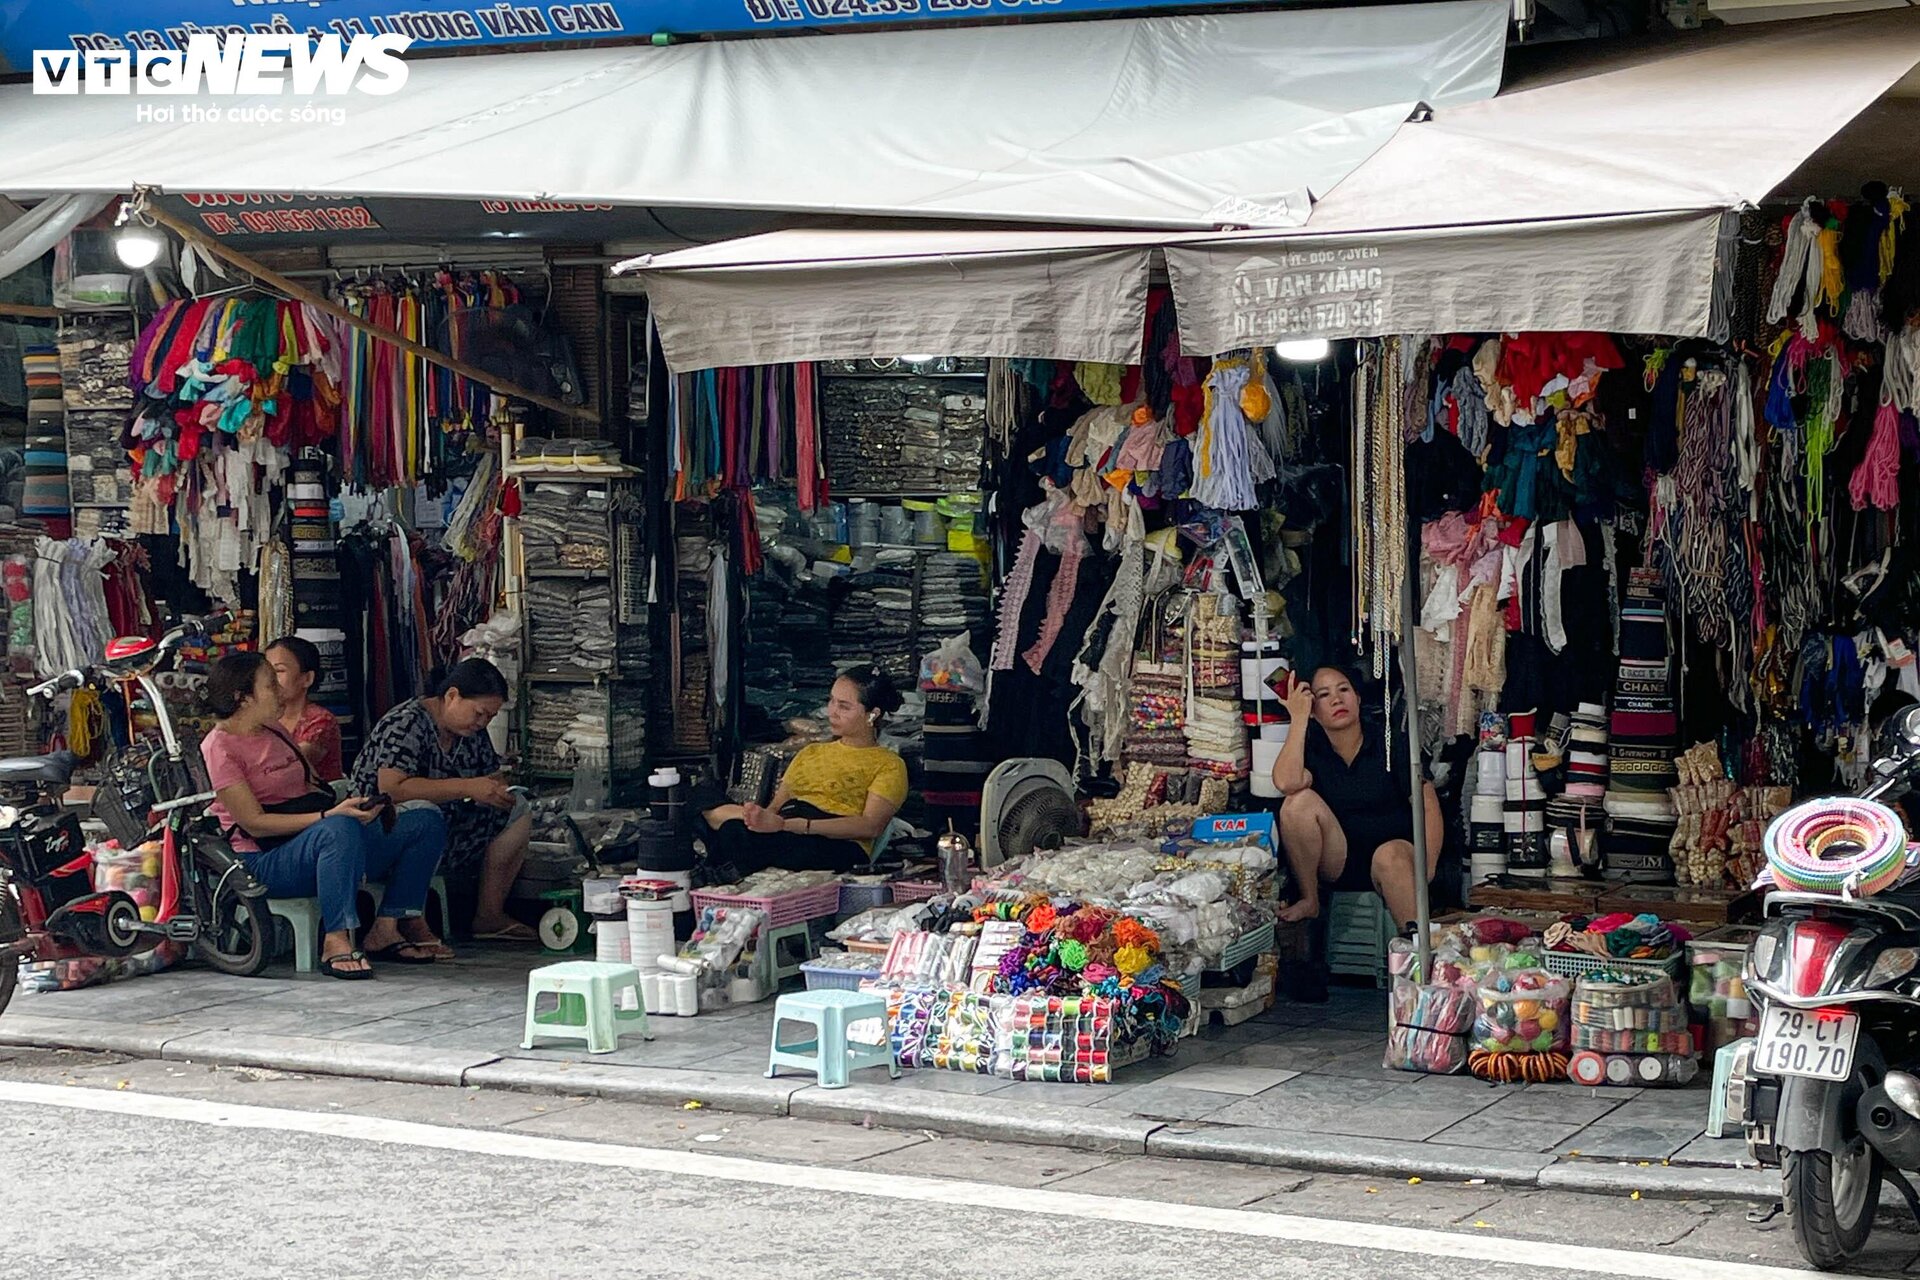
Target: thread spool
(678, 966)
(686, 994)
(1620, 1071)
(652, 994)
(649, 931)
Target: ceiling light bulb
(1303, 350)
(138, 246)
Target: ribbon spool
(1587, 1068)
(1825, 846)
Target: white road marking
(1480, 1246)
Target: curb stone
(991, 1117)
(752, 1095)
(995, 1119)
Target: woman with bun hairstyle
(835, 798)
(435, 749)
(300, 842)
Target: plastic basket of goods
(782, 897)
(840, 971)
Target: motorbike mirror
(1900, 734)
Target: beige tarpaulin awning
(1590, 194)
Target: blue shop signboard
(27, 25)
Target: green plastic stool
(588, 1007)
(786, 964)
(830, 1055)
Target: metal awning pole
(1410, 684)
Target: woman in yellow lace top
(835, 798)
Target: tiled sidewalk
(1308, 1074)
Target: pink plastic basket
(785, 908)
(917, 890)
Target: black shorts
(1365, 834)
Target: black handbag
(318, 798)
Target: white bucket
(1260, 777)
(650, 932)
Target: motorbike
(151, 790)
(1828, 1091)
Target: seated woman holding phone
(300, 842)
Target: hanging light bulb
(918, 359)
(138, 246)
(137, 242)
(1303, 350)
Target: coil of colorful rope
(1825, 846)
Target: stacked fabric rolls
(1645, 738)
(1526, 801)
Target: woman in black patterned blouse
(435, 749)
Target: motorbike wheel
(236, 932)
(1831, 1201)
(10, 929)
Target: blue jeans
(330, 858)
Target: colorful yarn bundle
(1616, 937)
(1522, 1013)
(1838, 844)
(1430, 1026)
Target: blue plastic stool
(588, 1009)
(830, 1055)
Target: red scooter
(49, 909)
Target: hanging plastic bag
(953, 666)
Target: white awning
(1590, 194)
(1188, 121)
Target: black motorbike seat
(54, 770)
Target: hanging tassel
(1876, 481)
(1889, 234)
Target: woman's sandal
(330, 965)
(396, 953)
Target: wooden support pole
(26, 311)
(293, 289)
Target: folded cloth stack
(45, 401)
(1217, 737)
(95, 354)
(572, 624)
(564, 526)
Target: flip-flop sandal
(518, 933)
(329, 965)
(435, 947)
(396, 954)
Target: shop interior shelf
(566, 675)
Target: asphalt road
(141, 1168)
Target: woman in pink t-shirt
(295, 841)
(314, 729)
